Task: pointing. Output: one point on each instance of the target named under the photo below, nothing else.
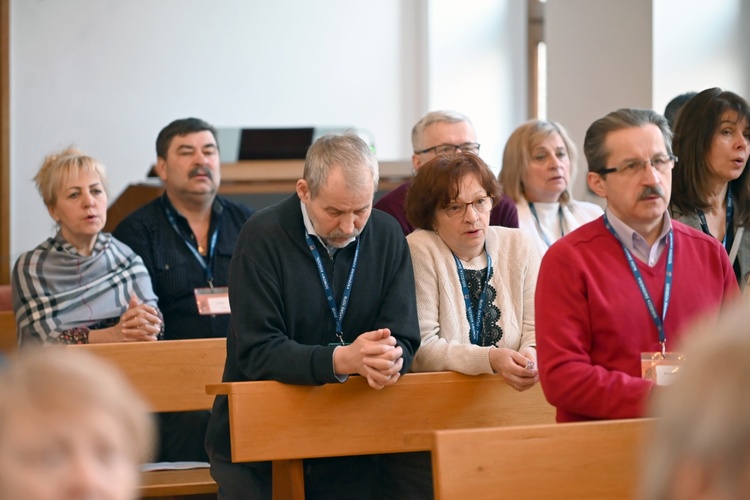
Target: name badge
(661, 369)
(212, 300)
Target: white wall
(477, 65)
(685, 62)
(107, 75)
(607, 54)
(599, 59)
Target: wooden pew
(8, 336)
(590, 460)
(287, 423)
(171, 376)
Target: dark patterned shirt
(175, 272)
(491, 332)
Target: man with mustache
(627, 284)
(186, 238)
(322, 287)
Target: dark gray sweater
(281, 325)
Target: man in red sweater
(627, 283)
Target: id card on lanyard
(208, 300)
(212, 300)
(728, 228)
(662, 365)
(662, 369)
(475, 318)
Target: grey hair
(346, 151)
(594, 147)
(434, 117)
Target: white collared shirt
(636, 244)
(311, 231)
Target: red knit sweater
(592, 323)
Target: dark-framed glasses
(662, 163)
(457, 209)
(445, 149)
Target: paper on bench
(173, 466)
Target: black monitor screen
(275, 143)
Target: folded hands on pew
(373, 355)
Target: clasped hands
(373, 355)
(140, 322)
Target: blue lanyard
(729, 229)
(338, 313)
(474, 318)
(205, 264)
(539, 225)
(658, 321)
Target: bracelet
(78, 335)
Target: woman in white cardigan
(469, 322)
(538, 163)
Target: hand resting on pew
(374, 355)
(139, 323)
(518, 368)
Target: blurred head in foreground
(71, 427)
(700, 447)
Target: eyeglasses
(481, 206)
(632, 168)
(444, 149)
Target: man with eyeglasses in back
(613, 297)
(436, 133)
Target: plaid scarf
(56, 289)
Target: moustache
(649, 191)
(200, 171)
(341, 236)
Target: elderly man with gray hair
(321, 287)
(439, 133)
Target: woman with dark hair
(710, 185)
(475, 282)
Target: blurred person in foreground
(71, 427)
(699, 447)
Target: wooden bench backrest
(8, 335)
(591, 460)
(274, 421)
(170, 374)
